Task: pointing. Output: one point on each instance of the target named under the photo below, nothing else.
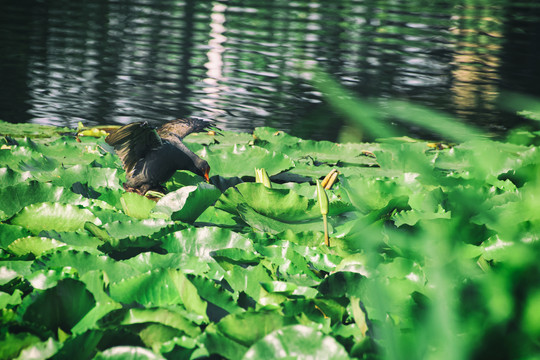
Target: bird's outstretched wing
(132, 142)
(184, 127)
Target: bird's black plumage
(151, 156)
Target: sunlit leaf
(14, 198)
(84, 262)
(136, 206)
(232, 161)
(128, 353)
(280, 204)
(187, 203)
(296, 342)
(159, 288)
(33, 245)
(200, 242)
(53, 216)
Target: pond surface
(243, 63)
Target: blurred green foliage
(433, 254)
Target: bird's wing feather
(184, 127)
(132, 142)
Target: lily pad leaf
(61, 306)
(163, 316)
(134, 228)
(136, 206)
(187, 203)
(232, 161)
(10, 177)
(41, 350)
(201, 242)
(296, 342)
(150, 261)
(128, 353)
(85, 262)
(218, 217)
(217, 295)
(160, 287)
(95, 177)
(33, 245)
(269, 225)
(14, 198)
(10, 233)
(31, 130)
(53, 216)
(259, 323)
(280, 204)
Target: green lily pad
(259, 323)
(241, 160)
(31, 130)
(187, 203)
(136, 205)
(10, 233)
(53, 216)
(159, 288)
(9, 177)
(279, 204)
(95, 177)
(296, 342)
(33, 245)
(134, 228)
(14, 198)
(61, 306)
(128, 353)
(85, 262)
(200, 242)
(269, 225)
(162, 316)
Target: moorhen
(151, 156)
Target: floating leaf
(159, 288)
(31, 130)
(297, 342)
(53, 216)
(14, 198)
(85, 262)
(161, 316)
(128, 353)
(9, 233)
(9, 177)
(200, 242)
(33, 245)
(259, 323)
(231, 161)
(187, 203)
(60, 307)
(280, 204)
(133, 228)
(136, 205)
(266, 224)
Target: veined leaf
(53, 216)
(231, 161)
(187, 203)
(296, 342)
(159, 288)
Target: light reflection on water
(111, 61)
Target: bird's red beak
(206, 172)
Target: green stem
(326, 238)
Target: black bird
(151, 156)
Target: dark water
(243, 62)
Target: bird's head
(206, 172)
(202, 168)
